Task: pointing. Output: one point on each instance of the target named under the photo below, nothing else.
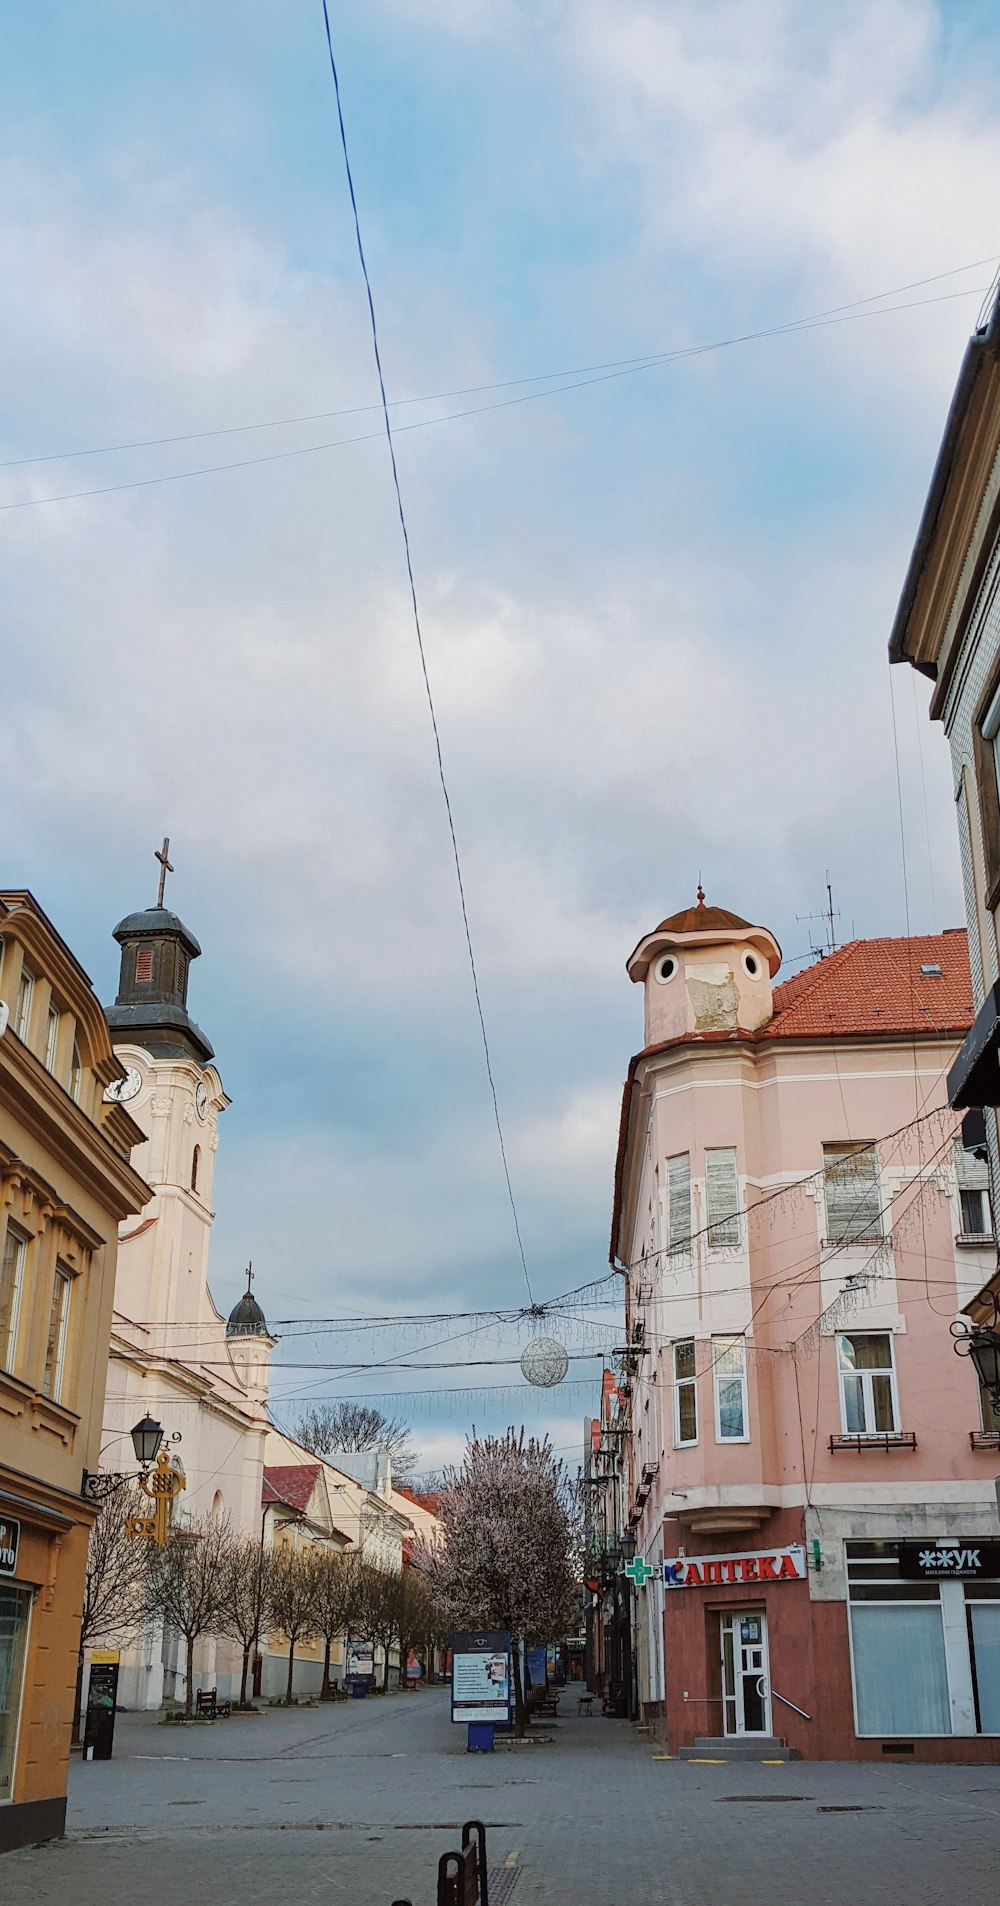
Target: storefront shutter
(723, 1197)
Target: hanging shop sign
(10, 1542)
(480, 1675)
(716, 1571)
(961, 1560)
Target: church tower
(175, 1093)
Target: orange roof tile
(878, 986)
(290, 1483)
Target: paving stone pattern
(351, 1806)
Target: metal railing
(462, 1876)
(792, 1704)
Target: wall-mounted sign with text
(949, 1561)
(10, 1542)
(717, 1571)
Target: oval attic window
(751, 965)
(667, 968)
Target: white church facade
(173, 1354)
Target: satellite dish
(544, 1362)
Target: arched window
(195, 1162)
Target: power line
(794, 326)
(420, 645)
(644, 361)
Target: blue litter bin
(480, 1737)
(359, 1689)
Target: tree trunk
(189, 1690)
(291, 1667)
(78, 1701)
(324, 1693)
(385, 1669)
(245, 1673)
(520, 1711)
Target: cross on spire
(166, 867)
(249, 1278)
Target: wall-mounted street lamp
(981, 1342)
(626, 1543)
(147, 1437)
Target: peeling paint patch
(714, 998)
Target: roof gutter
(976, 354)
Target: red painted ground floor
(885, 1650)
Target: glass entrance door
(746, 1695)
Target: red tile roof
(867, 989)
(424, 1499)
(291, 1484)
(878, 986)
(701, 919)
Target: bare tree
(327, 1427)
(336, 1600)
(379, 1609)
(509, 1549)
(245, 1598)
(418, 1617)
(187, 1585)
(114, 1588)
(292, 1600)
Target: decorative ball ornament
(544, 1362)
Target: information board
(955, 1559)
(480, 1675)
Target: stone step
(739, 1747)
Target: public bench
(208, 1705)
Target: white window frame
(52, 1037)
(23, 1003)
(684, 1383)
(76, 1075)
(721, 1347)
(52, 1376)
(867, 1393)
(8, 1351)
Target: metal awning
(974, 1079)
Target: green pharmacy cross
(639, 1571)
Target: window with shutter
(853, 1199)
(722, 1194)
(143, 965)
(679, 1202)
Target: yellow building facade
(65, 1185)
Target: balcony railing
(984, 1439)
(880, 1439)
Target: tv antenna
(828, 939)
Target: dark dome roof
(247, 1320)
(702, 919)
(160, 922)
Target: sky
(655, 610)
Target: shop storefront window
(14, 1607)
(984, 1633)
(925, 1652)
(900, 1671)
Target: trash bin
(359, 1689)
(480, 1737)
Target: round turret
(705, 970)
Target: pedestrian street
(355, 1803)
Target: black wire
(420, 646)
(794, 327)
(647, 360)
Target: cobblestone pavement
(351, 1806)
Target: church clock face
(121, 1090)
(201, 1100)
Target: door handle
(762, 1686)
